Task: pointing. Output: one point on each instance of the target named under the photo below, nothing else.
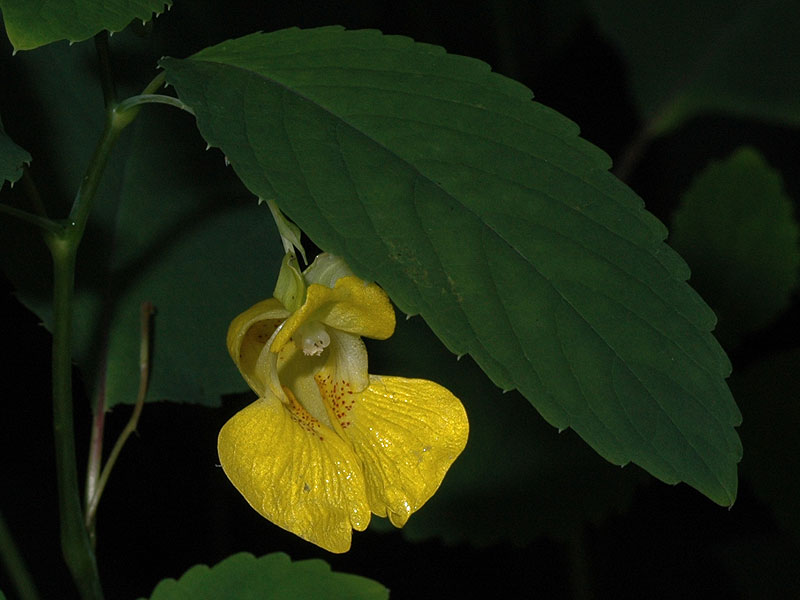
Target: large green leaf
(12, 157)
(487, 214)
(171, 225)
(690, 57)
(34, 23)
(271, 577)
(736, 229)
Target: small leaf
(274, 577)
(485, 213)
(34, 23)
(12, 157)
(736, 229)
(688, 57)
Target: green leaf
(34, 23)
(12, 157)
(688, 57)
(171, 225)
(271, 577)
(487, 214)
(736, 229)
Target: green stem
(106, 77)
(63, 243)
(17, 571)
(46, 224)
(75, 544)
(155, 84)
(134, 101)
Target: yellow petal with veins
(295, 472)
(248, 334)
(352, 305)
(407, 433)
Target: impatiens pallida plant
(427, 183)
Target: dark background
(168, 507)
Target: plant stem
(133, 101)
(106, 76)
(75, 544)
(63, 243)
(46, 224)
(130, 427)
(95, 453)
(17, 571)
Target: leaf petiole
(135, 101)
(46, 224)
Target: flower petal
(320, 382)
(407, 433)
(295, 472)
(248, 334)
(352, 305)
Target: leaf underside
(34, 23)
(274, 576)
(485, 213)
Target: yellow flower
(326, 444)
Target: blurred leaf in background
(686, 58)
(737, 230)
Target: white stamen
(314, 338)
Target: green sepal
(290, 288)
(290, 233)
